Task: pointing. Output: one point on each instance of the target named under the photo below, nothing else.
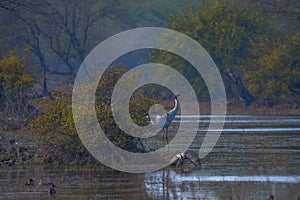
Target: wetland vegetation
(255, 45)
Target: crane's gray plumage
(165, 120)
(170, 116)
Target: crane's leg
(167, 133)
(163, 134)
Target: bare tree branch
(13, 5)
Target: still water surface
(256, 156)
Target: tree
(34, 39)
(70, 29)
(276, 77)
(55, 125)
(13, 5)
(63, 30)
(226, 33)
(61, 33)
(284, 15)
(139, 106)
(15, 85)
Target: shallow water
(256, 156)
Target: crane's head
(176, 95)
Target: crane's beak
(177, 94)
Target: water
(256, 156)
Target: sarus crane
(168, 117)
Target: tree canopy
(16, 81)
(277, 74)
(246, 45)
(55, 124)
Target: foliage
(277, 73)
(226, 33)
(15, 84)
(55, 125)
(61, 33)
(14, 74)
(139, 106)
(244, 44)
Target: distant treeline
(255, 44)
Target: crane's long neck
(176, 106)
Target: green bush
(55, 125)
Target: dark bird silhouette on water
(52, 190)
(30, 182)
